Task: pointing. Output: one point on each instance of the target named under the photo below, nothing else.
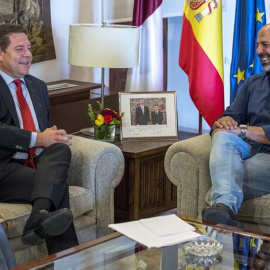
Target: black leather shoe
(46, 224)
(220, 214)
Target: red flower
(107, 112)
(118, 117)
(108, 118)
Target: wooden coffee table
(116, 251)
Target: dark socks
(41, 204)
(35, 216)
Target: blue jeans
(236, 175)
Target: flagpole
(200, 124)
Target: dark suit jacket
(157, 118)
(142, 118)
(12, 138)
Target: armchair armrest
(187, 166)
(97, 166)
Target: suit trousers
(21, 184)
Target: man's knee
(58, 151)
(224, 136)
(61, 147)
(225, 139)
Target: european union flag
(244, 249)
(250, 17)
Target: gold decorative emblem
(209, 8)
(195, 4)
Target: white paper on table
(167, 225)
(138, 232)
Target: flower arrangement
(104, 121)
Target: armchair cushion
(15, 215)
(256, 210)
(81, 200)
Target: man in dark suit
(34, 156)
(142, 114)
(156, 116)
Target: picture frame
(158, 121)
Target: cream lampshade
(103, 46)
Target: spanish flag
(201, 56)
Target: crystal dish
(204, 247)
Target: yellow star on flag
(252, 65)
(259, 15)
(240, 75)
(252, 242)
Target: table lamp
(104, 46)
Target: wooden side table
(145, 190)
(79, 92)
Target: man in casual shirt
(240, 150)
(34, 156)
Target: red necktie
(28, 122)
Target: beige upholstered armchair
(187, 167)
(96, 169)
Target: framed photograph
(148, 115)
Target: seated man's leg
(227, 173)
(257, 175)
(50, 185)
(65, 240)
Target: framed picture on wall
(148, 115)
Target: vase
(104, 133)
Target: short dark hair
(6, 30)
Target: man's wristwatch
(243, 129)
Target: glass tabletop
(240, 250)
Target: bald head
(263, 46)
(265, 28)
